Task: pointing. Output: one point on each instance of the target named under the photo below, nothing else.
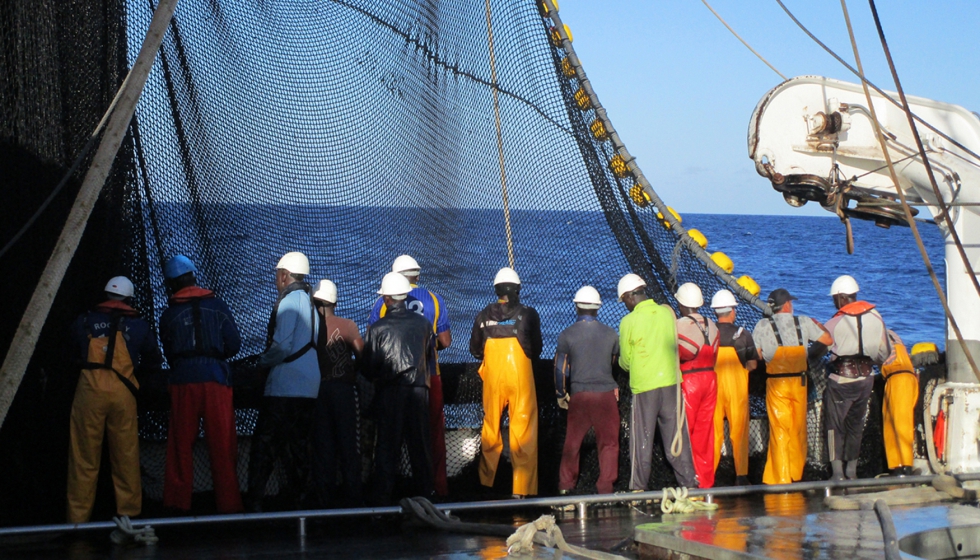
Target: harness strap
(309, 345)
(775, 331)
(697, 370)
(779, 339)
(115, 320)
(778, 375)
(199, 350)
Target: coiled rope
(126, 533)
(675, 500)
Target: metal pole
(22, 347)
(488, 505)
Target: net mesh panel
(353, 131)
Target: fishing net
(354, 131)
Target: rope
(723, 22)
(127, 533)
(544, 531)
(863, 79)
(675, 500)
(901, 193)
(500, 139)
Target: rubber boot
(852, 470)
(838, 471)
(742, 481)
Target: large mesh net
(353, 131)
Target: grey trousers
(651, 409)
(845, 409)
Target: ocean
(461, 250)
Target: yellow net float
(582, 100)
(599, 130)
(922, 347)
(698, 238)
(567, 69)
(556, 35)
(639, 196)
(618, 166)
(544, 9)
(723, 261)
(673, 213)
(750, 285)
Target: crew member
(860, 343)
(506, 337)
(782, 341)
(585, 386)
(697, 346)
(898, 408)
(397, 351)
(198, 334)
(737, 356)
(335, 426)
(648, 351)
(429, 305)
(110, 342)
(283, 427)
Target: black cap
(778, 297)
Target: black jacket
(399, 349)
(506, 320)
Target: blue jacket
(197, 343)
(140, 342)
(292, 346)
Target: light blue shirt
(296, 326)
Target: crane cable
(494, 87)
(737, 36)
(905, 205)
(863, 79)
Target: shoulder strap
(114, 322)
(199, 350)
(799, 331)
(309, 345)
(860, 335)
(775, 331)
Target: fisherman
(199, 334)
(506, 337)
(898, 407)
(782, 341)
(283, 427)
(428, 304)
(860, 343)
(110, 342)
(585, 386)
(648, 351)
(335, 426)
(737, 356)
(697, 346)
(397, 350)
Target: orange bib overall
(901, 394)
(508, 381)
(786, 406)
(733, 403)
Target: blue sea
(556, 253)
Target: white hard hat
(629, 283)
(506, 275)
(844, 285)
(723, 298)
(404, 263)
(294, 262)
(326, 291)
(587, 297)
(689, 295)
(121, 286)
(394, 285)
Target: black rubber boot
(851, 470)
(742, 481)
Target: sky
(680, 88)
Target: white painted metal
(962, 425)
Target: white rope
(675, 500)
(127, 533)
(723, 22)
(545, 532)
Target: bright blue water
(460, 250)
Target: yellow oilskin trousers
(901, 394)
(509, 381)
(786, 406)
(733, 403)
(103, 407)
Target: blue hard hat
(178, 266)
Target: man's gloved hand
(563, 401)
